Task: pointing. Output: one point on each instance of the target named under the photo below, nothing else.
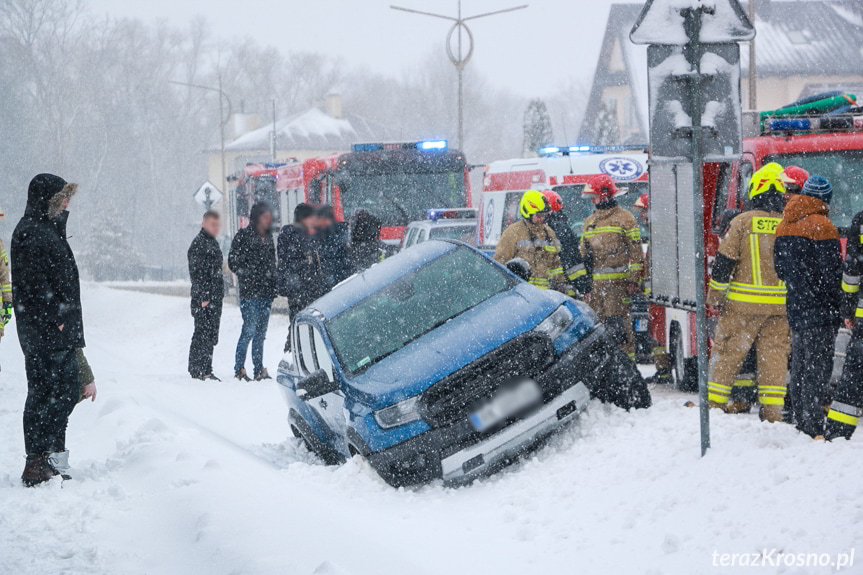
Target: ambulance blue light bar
(425, 146)
(451, 214)
(567, 150)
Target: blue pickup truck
(441, 363)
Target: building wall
(777, 92)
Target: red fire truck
(397, 182)
(836, 153)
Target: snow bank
(186, 478)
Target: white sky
(531, 52)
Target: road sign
(695, 114)
(207, 195)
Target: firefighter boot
(770, 413)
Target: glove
(7, 313)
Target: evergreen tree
(607, 130)
(537, 127)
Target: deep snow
(178, 477)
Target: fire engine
(397, 182)
(565, 169)
(830, 145)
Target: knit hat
(818, 187)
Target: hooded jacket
(808, 259)
(253, 259)
(45, 282)
(366, 247)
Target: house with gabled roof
(803, 47)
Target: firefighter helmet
(643, 202)
(768, 178)
(532, 203)
(601, 185)
(553, 200)
(794, 177)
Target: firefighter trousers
(612, 302)
(847, 406)
(735, 335)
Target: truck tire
(301, 429)
(685, 368)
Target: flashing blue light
(790, 125)
(549, 150)
(433, 145)
(579, 148)
(367, 147)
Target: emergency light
(567, 150)
(451, 214)
(426, 146)
(829, 123)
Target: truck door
(312, 355)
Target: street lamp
(223, 121)
(459, 59)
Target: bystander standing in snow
(47, 296)
(208, 290)
(808, 260)
(332, 242)
(367, 249)
(299, 262)
(253, 259)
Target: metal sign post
(695, 116)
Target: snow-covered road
(180, 477)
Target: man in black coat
(332, 242)
(253, 259)
(208, 290)
(47, 296)
(299, 273)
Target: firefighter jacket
(537, 245)
(852, 271)
(743, 272)
(5, 283)
(612, 242)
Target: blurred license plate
(641, 325)
(509, 401)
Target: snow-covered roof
(313, 129)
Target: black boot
(242, 375)
(37, 470)
(262, 374)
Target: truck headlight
(401, 413)
(555, 324)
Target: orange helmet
(794, 177)
(602, 185)
(643, 202)
(553, 200)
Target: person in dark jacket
(299, 271)
(47, 296)
(253, 259)
(332, 242)
(808, 259)
(574, 267)
(367, 249)
(208, 290)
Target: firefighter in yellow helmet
(5, 282)
(612, 243)
(745, 285)
(532, 240)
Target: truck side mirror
(519, 267)
(315, 385)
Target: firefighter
(532, 240)
(661, 359)
(751, 296)
(612, 245)
(847, 407)
(5, 282)
(574, 267)
(794, 177)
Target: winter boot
(242, 375)
(262, 374)
(770, 413)
(210, 377)
(37, 470)
(717, 405)
(738, 406)
(837, 430)
(60, 462)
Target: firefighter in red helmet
(612, 244)
(574, 267)
(794, 177)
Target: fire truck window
(315, 191)
(844, 169)
(723, 185)
(743, 183)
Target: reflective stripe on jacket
(537, 245)
(613, 238)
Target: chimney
(333, 105)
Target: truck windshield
(400, 198)
(844, 169)
(414, 305)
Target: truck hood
(473, 334)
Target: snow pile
(186, 478)
(313, 129)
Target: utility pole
(753, 71)
(458, 57)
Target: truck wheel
(685, 369)
(316, 446)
